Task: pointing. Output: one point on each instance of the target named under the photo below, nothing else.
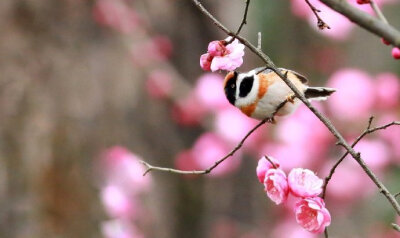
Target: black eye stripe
(246, 86)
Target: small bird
(261, 93)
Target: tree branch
(378, 11)
(320, 23)
(301, 96)
(244, 21)
(365, 20)
(367, 131)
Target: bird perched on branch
(261, 93)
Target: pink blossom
(115, 14)
(209, 148)
(349, 183)
(116, 202)
(391, 135)
(149, 51)
(312, 215)
(205, 61)
(304, 183)
(188, 111)
(396, 53)
(276, 185)
(355, 94)
(184, 160)
(232, 125)
(301, 128)
(287, 228)
(263, 166)
(158, 84)
(388, 90)
(124, 169)
(209, 91)
(374, 153)
(120, 228)
(223, 57)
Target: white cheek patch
(251, 97)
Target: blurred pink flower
(396, 53)
(115, 14)
(388, 90)
(221, 57)
(119, 228)
(158, 84)
(264, 165)
(124, 169)
(209, 90)
(209, 148)
(357, 184)
(287, 228)
(184, 160)
(301, 128)
(391, 135)
(312, 215)
(152, 50)
(232, 125)
(290, 155)
(163, 44)
(374, 153)
(117, 203)
(276, 186)
(355, 96)
(304, 183)
(188, 111)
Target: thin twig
(270, 161)
(244, 21)
(320, 23)
(259, 40)
(233, 151)
(396, 227)
(378, 11)
(397, 194)
(301, 96)
(367, 131)
(365, 20)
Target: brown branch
(367, 131)
(320, 23)
(300, 95)
(366, 21)
(244, 21)
(270, 161)
(233, 151)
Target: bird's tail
(318, 93)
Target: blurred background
(88, 88)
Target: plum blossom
(116, 202)
(355, 95)
(209, 148)
(312, 215)
(123, 168)
(116, 14)
(388, 90)
(264, 165)
(276, 185)
(158, 84)
(222, 57)
(188, 111)
(209, 91)
(304, 183)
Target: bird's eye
(233, 85)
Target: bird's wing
(302, 78)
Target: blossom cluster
(310, 210)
